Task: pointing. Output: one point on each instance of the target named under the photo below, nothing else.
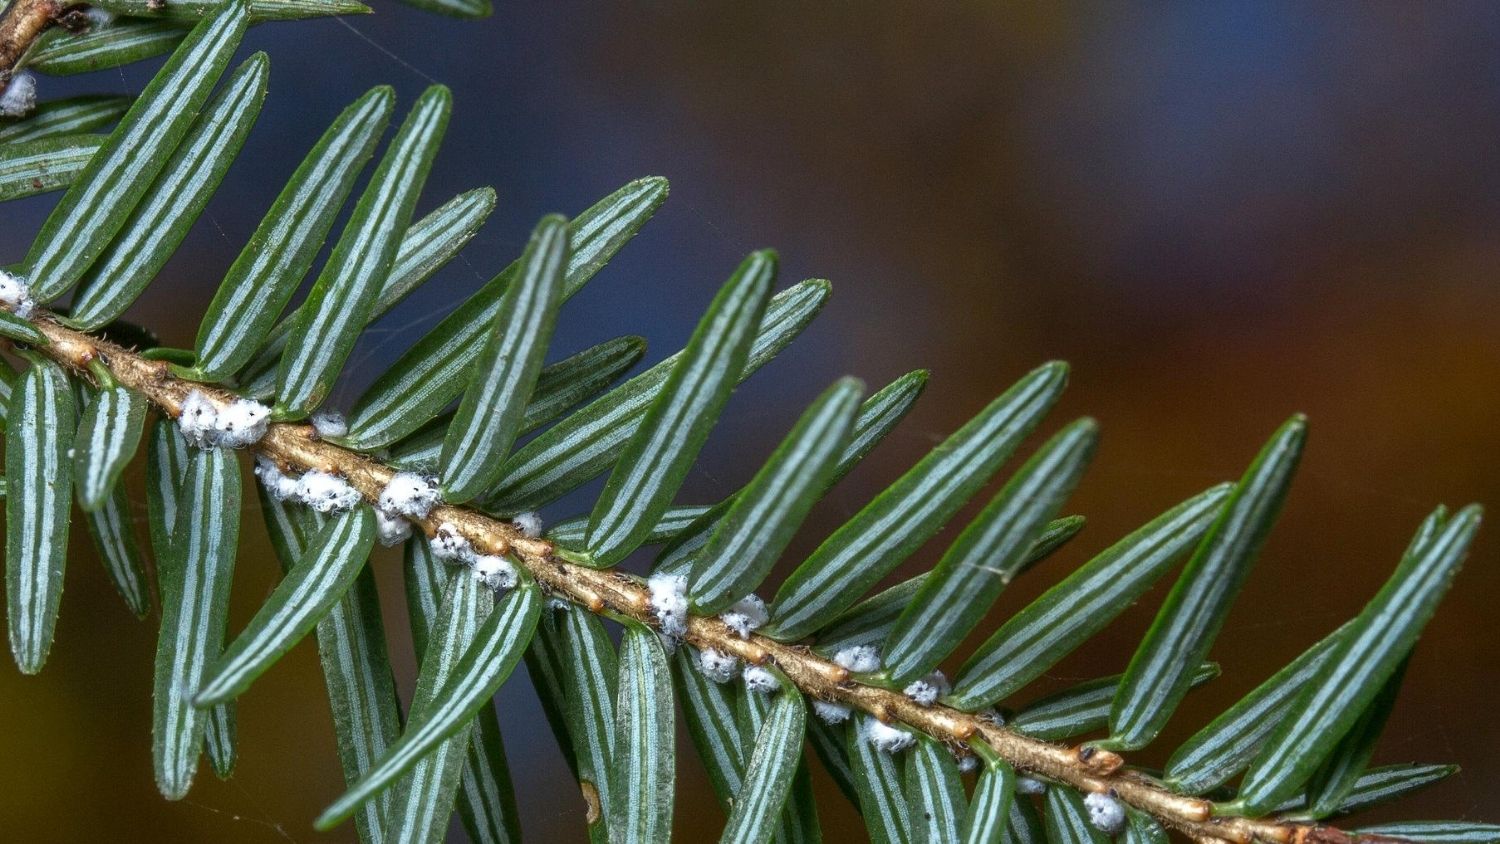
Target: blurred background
(1220, 213)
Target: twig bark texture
(20, 25)
(297, 447)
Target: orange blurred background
(1220, 213)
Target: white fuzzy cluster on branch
(239, 424)
(894, 719)
(15, 294)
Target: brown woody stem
(297, 447)
(20, 25)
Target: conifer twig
(297, 447)
(20, 25)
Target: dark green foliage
(116, 178)
(39, 424)
(935, 793)
(1194, 612)
(505, 376)
(14, 328)
(1437, 832)
(421, 799)
(1083, 603)
(581, 446)
(352, 651)
(881, 789)
(103, 45)
(339, 304)
(195, 571)
(434, 371)
(486, 800)
(1068, 820)
(760, 523)
(108, 436)
(576, 673)
(656, 459)
(260, 10)
(490, 657)
(1365, 658)
(334, 557)
(912, 509)
(985, 557)
(267, 272)
(63, 117)
(1083, 708)
(643, 775)
(877, 416)
(770, 768)
(454, 8)
(38, 165)
(1224, 747)
(114, 538)
(990, 807)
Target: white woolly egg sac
(717, 665)
(760, 681)
(861, 659)
(1105, 812)
(529, 523)
(409, 494)
(830, 712)
(886, 738)
(669, 603)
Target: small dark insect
(75, 19)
